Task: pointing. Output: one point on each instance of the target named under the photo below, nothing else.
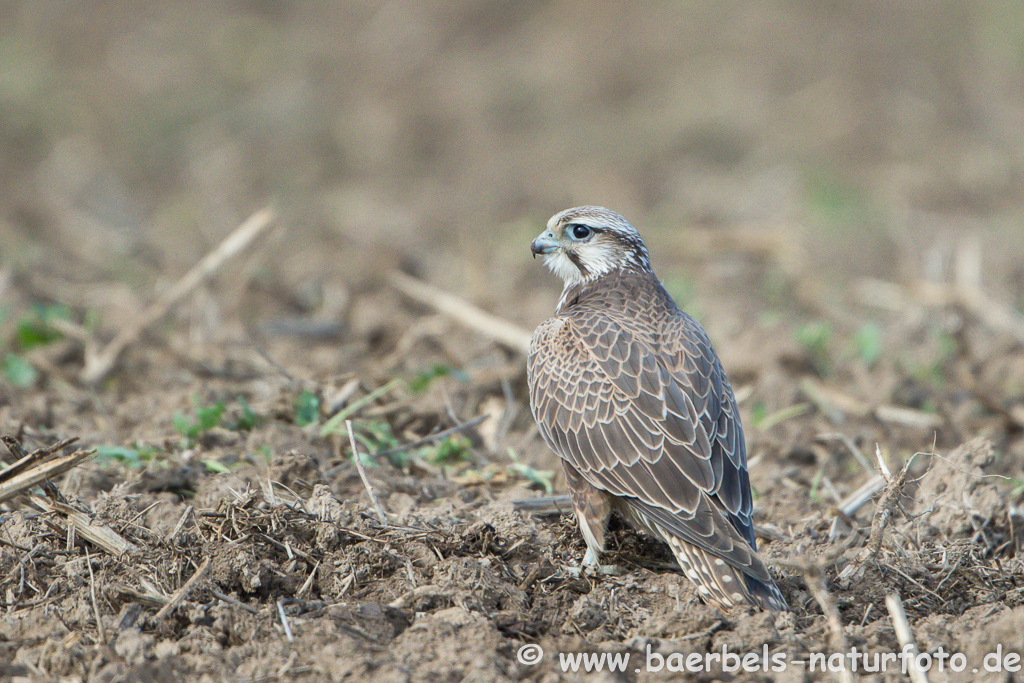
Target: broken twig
(489, 325)
(901, 625)
(362, 474)
(180, 594)
(814, 576)
(99, 363)
(887, 503)
(37, 467)
(102, 632)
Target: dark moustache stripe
(578, 262)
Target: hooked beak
(544, 244)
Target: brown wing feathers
(628, 391)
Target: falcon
(628, 391)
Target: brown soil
(833, 193)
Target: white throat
(600, 259)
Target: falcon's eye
(579, 232)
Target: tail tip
(766, 596)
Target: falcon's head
(587, 242)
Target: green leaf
(36, 330)
(248, 419)
(423, 380)
(869, 343)
(451, 450)
(815, 494)
(814, 337)
(758, 413)
(542, 477)
(307, 408)
(181, 424)
(399, 459)
(19, 372)
(131, 457)
(215, 466)
(780, 416)
(206, 418)
(335, 423)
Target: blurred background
(835, 190)
(133, 136)
(773, 154)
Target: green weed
(815, 338)
(134, 458)
(19, 372)
(204, 419)
(307, 408)
(869, 343)
(37, 328)
(34, 330)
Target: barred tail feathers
(720, 583)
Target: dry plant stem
(284, 621)
(98, 364)
(308, 583)
(362, 474)
(287, 665)
(95, 605)
(462, 311)
(28, 467)
(991, 313)
(813, 392)
(180, 595)
(852, 447)
(419, 591)
(231, 601)
(886, 506)
(146, 599)
(544, 505)
(19, 453)
(996, 316)
(859, 498)
(814, 577)
(180, 525)
(26, 473)
(834, 399)
(95, 666)
(88, 528)
(908, 417)
(904, 635)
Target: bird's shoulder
(625, 309)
